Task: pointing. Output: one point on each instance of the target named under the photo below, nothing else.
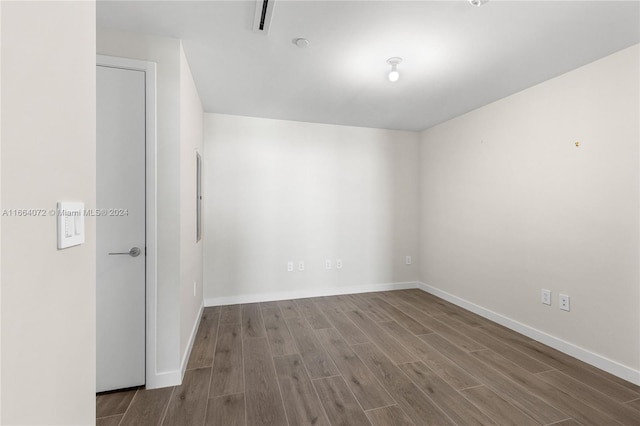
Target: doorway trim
(152, 379)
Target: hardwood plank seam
(273, 364)
(318, 395)
(443, 323)
(107, 417)
(367, 368)
(380, 408)
(244, 373)
(505, 377)
(468, 387)
(562, 421)
(575, 362)
(215, 346)
(328, 377)
(129, 406)
(552, 402)
(512, 347)
(408, 350)
(415, 385)
(324, 410)
(485, 410)
(435, 403)
(593, 405)
(307, 370)
(166, 408)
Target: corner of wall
(191, 249)
(0, 209)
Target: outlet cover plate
(546, 296)
(564, 302)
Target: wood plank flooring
(387, 358)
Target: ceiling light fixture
(478, 3)
(301, 42)
(394, 75)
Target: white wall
(48, 295)
(0, 220)
(191, 116)
(510, 205)
(279, 190)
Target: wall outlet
(290, 266)
(407, 260)
(338, 263)
(546, 296)
(327, 264)
(564, 302)
(301, 266)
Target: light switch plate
(70, 224)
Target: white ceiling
(456, 57)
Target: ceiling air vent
(262, 18)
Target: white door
(120, 245)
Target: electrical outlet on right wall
(564, 302)
(546, 296)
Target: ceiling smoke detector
(301, 42)
(478, 3)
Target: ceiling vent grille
(263, 15)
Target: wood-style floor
(390, 358)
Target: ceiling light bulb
(394, 74)
(478, 3)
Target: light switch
(70, 224)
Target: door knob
(134, 252)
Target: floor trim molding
(166, 379)
(301, 294)
(603, 363)
(192, 339)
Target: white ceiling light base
(301, 42)
(478, 3)
(394, 75)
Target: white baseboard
(300, 294)
(165, 379)
(192, 339)
(174, 378)
(603, 363)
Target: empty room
(316, 212)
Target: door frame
(149, 68)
